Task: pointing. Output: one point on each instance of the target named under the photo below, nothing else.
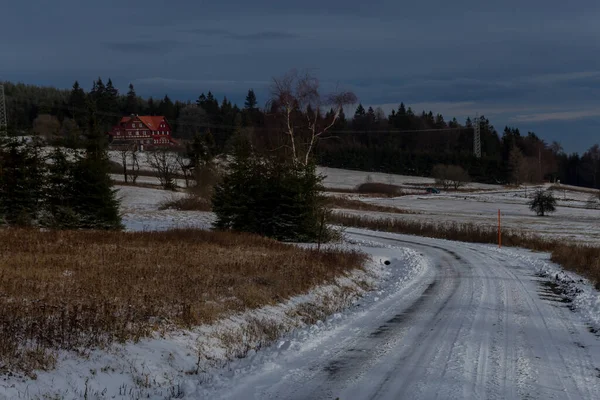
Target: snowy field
(140, 208)
(336, 178)
(572, 221)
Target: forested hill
(403, 141)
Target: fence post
(499, 231)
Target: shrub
(543, 202)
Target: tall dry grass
(584, 260)
(80, 290)
(351, 204)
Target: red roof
(152, 122)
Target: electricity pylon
(3, 117)
(477, 138)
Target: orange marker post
(499, 231)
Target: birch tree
(297, 99)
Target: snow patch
(585, 298)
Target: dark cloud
(261, 35)
(144, 46)
(533, 64)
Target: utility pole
(3, 116)
(477, 137)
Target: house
(144, 131)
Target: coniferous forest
(405, 141)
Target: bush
(543, 202)
(378, 188)
(450, 176)
(278, 200)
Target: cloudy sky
(533, 64)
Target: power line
(477, 138)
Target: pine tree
(269, 198)
(167, 108)
(112, 98)
(401, 109)
(151, 110)
(94, 199)
(250, 103)
(59, 199)
(131, 102)
(360, 111)
(21, 181)
(370, 118)
(76, 103)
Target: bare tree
(130, 162)
(450, 175)
(192, 118)
(297, 99)
(123, 152)
(46, 125)
(134, 171)
(516, 164)
(440, 174)
(163, 162)
(186, 169)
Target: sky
(532, 64)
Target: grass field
(81, 290)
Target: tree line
(402, 141)
(61, 189)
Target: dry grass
(379, 188)
(584, 260)
(351, 204)
(80, 290)
(575, 189)
(190, 202)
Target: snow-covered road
(473, 323)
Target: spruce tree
(94, 199)
(270, 198)
(59, 199)
(76, 103)
(112, 98)
(131, 106)
(167, 108)
(250, 103)
(22, 170)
